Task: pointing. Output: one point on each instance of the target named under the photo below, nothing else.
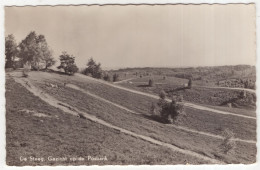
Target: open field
(205, 90)
(195, 119)
(199, 95)
(37, 129)
(144, 124)
(202, 76)
(130, 84)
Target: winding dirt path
(187, 104)
(121, 81)
(132, 111)
(228, 88)
(74, 111)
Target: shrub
(162, 94)
(180, 98)
(162, 100)
(107, 77)
(228, 143)
(171, 111)
(26, 72)
(151, 83)
(67, 63)
(115, 77)
(190, 83)
(153, 109)
(242, 94)
(93, 69)
(71, 69)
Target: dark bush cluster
(34, 50)
(151, 83)
(115, 77)
(169, 112)
(93, 69)
(67, 63)
(228, 144)
(107, 77)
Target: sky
(143, 35)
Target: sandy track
(174, 126)
(121, 81)
(69, 109)
(187, 104)
(228, 88)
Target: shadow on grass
(232, 101)
(155, 118)
(143, 85)
(55, 72)
(177, 89)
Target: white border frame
(4, 3)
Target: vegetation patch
(72, 137)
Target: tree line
(94, 70)
(34, 51)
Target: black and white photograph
(132, 84)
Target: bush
(228, 143)
(190, 83)
(162, 94)
(242, 94)
(171, 111)
(151, 83)
(26, 72)
(71, 69)
(115, 77)
(93, 69)
(153, 109)
(107, 77)
(67, 63)
(180, 98)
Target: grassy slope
(159, 131)
(159, 79)
(211, 74)
(200, 120)
(207, 96)
(196, 119)
(65, 135)
(241, 111)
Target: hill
(112, 110)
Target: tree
(242, 94)
(28, 49)
(151, 83)
(162, 95)
(228, 144)
(35, 50)
(44, 52)
(115, 77)
(153, 109)
(171, 111)
(106, 77)
(190, 83)
(49, 61)
(67, 63)
(10, 51)
(93, 69)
